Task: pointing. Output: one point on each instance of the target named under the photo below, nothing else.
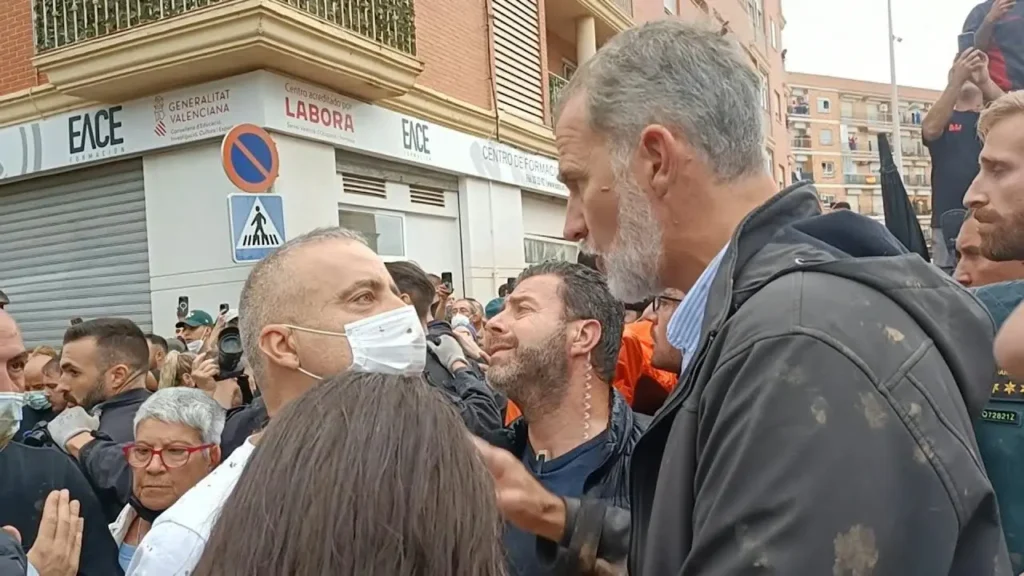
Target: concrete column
(586, 39)
(491, 218)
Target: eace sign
(95, 135)
(414, 136)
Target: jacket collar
(620, 426)
(127, 398)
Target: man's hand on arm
(72, 429)
(986, 30)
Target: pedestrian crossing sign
(257, 225)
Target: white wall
(491, 218)
(543, 215)
(431, 232)
(187, 220)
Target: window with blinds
(517, 58)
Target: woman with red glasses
(177, 443)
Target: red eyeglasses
(172, 456)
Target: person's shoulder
(168, 549)
(197, 508)
(32, 461)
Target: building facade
(834, 125)
(424, 124)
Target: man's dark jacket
(102, 460)
(27, 476)
(12, 557)
(480, 406)
(824, 425)
(600, 520)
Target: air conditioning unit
(883, 107)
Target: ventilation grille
(426, 195)
(363, 185)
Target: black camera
(229, 360)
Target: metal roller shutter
(74, 245)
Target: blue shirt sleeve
(976, 17)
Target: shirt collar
(683, 329)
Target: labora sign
(95, 135)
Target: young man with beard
(554, 349)
(104, 363)
(822, 420)
(997, 201)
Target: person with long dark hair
(364, 475)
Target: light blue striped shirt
(683, 329)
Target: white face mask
(194, 346)
(389, 343)
(11, 404)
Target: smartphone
(182, 307)
(76, 321)
(224, 308)
(446, 277)
(965, 41)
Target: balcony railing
(625, 5)
(858, 147)
(916, 150)
(61, 23)
(801, 142)
(861, 179)
(555, 86)
(878, 118)
(799, 110)
(917, 180)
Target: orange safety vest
(635, 361)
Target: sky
(847, 38)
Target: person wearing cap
(494, 307)
(196, 328)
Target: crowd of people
(728, 381)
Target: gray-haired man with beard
(822, 420)
(554, 350)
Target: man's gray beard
(536, 378)
(631, 263)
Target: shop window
(385, 233)
(539, 250)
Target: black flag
(899, 213)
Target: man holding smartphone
(950, 131)
(998, 26)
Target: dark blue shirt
(563, 476)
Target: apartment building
(424, 124)
(834, 125)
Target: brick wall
(452, 42)
(16, 47)
(559, 50)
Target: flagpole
(894, 107)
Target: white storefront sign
(277, 103)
